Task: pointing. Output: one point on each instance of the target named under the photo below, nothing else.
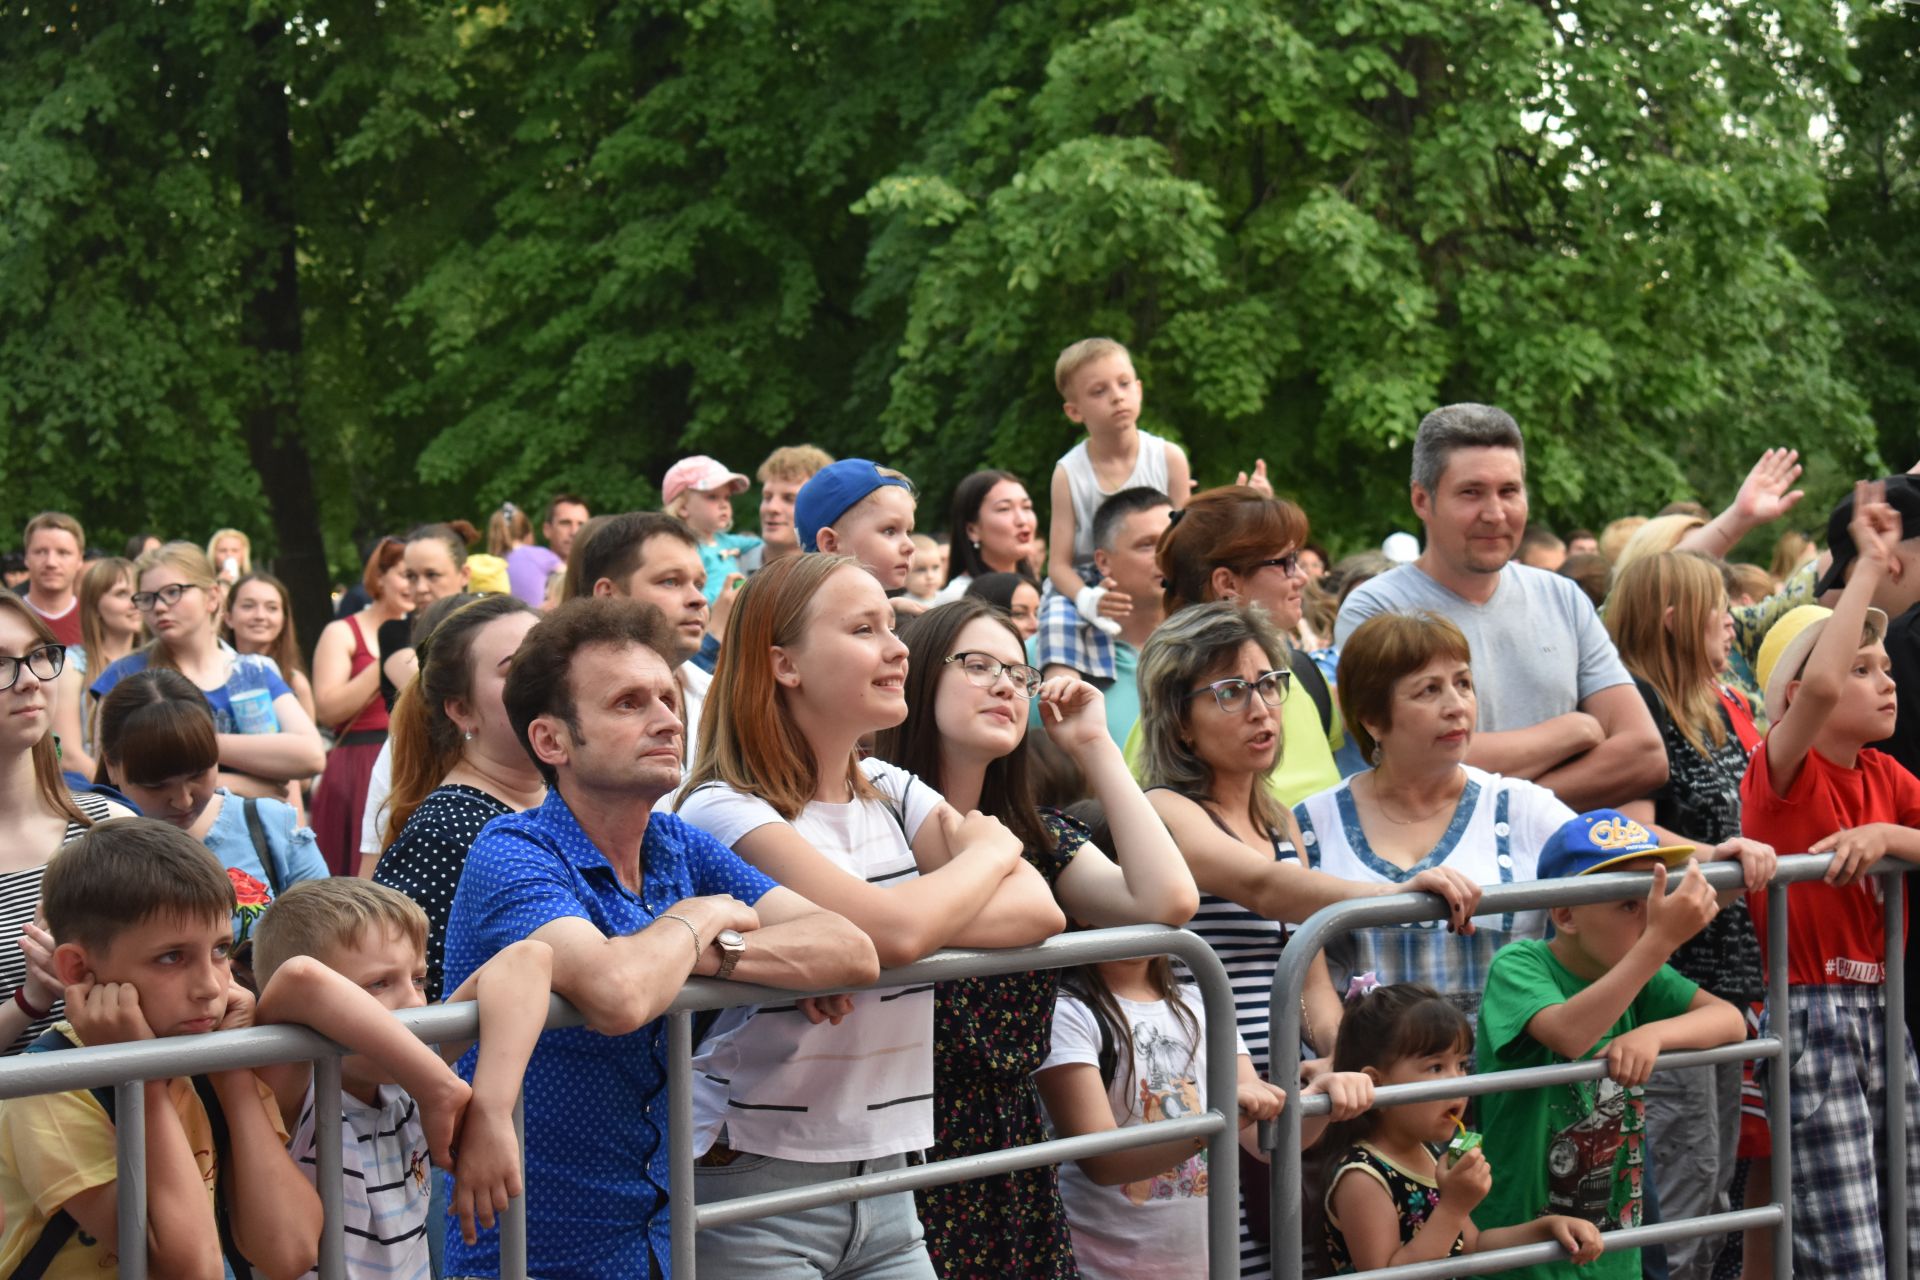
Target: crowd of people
(600, 757)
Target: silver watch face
(730, 940)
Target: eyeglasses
(1232, 693)
(983, 672)
(168, 595)
(46, 662)
(1288, 564)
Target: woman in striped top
(1212, 679)
(37, 815)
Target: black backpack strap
(1306, 674)
(223, 1148)
(258, 831)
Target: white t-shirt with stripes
(386, 1178)
(783, 1086)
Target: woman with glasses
(38, 814)
(110, 629)
(1407, 691)
(809, 666)
(265, 739)
(970, 689)
(1213, 684)
(1242, 545)
(346, 694)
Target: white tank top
(1149, 471)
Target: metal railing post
(327, 1178)
(130, 1168)
(513, 1222)
(1893, 1026)
(1223, 1072)
(682, 1211)
(1779, 1087)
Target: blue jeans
(877, 1239)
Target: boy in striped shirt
(321, 950)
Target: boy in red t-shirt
(1815, 785)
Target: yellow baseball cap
(1790, 642)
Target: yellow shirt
(53, 1146)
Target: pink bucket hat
(702, 473)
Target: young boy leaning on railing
(341, 956)
(1599, 987)
(142, 919)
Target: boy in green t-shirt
(1600, 986)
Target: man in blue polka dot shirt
(632, 903)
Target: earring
(1375, 757)
(466, 735)
(976, 544)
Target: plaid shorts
(1069, 640)
(1838, 1108)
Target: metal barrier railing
(124, 1066)
(1282, 1137)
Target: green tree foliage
(1315, 222)
(1867, 252)
(423, 258)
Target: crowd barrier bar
(1218, 1124)
(124, 1067)
(1282, 1137)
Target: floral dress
(989, 1036)
(1414, 1196)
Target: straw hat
(1785, 650)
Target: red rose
(248, 891)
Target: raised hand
(1768, 493)
(1875, 527)
(1672, 918)
(1073, 712)
(1257, 479)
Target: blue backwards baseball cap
(1600, 841)
(831, 493)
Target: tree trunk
(271, 327)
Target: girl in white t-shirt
(1129, 1048)
(795, 1094)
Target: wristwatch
(732, 946)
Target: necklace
(1380, 802)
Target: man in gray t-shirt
(1556, 705)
